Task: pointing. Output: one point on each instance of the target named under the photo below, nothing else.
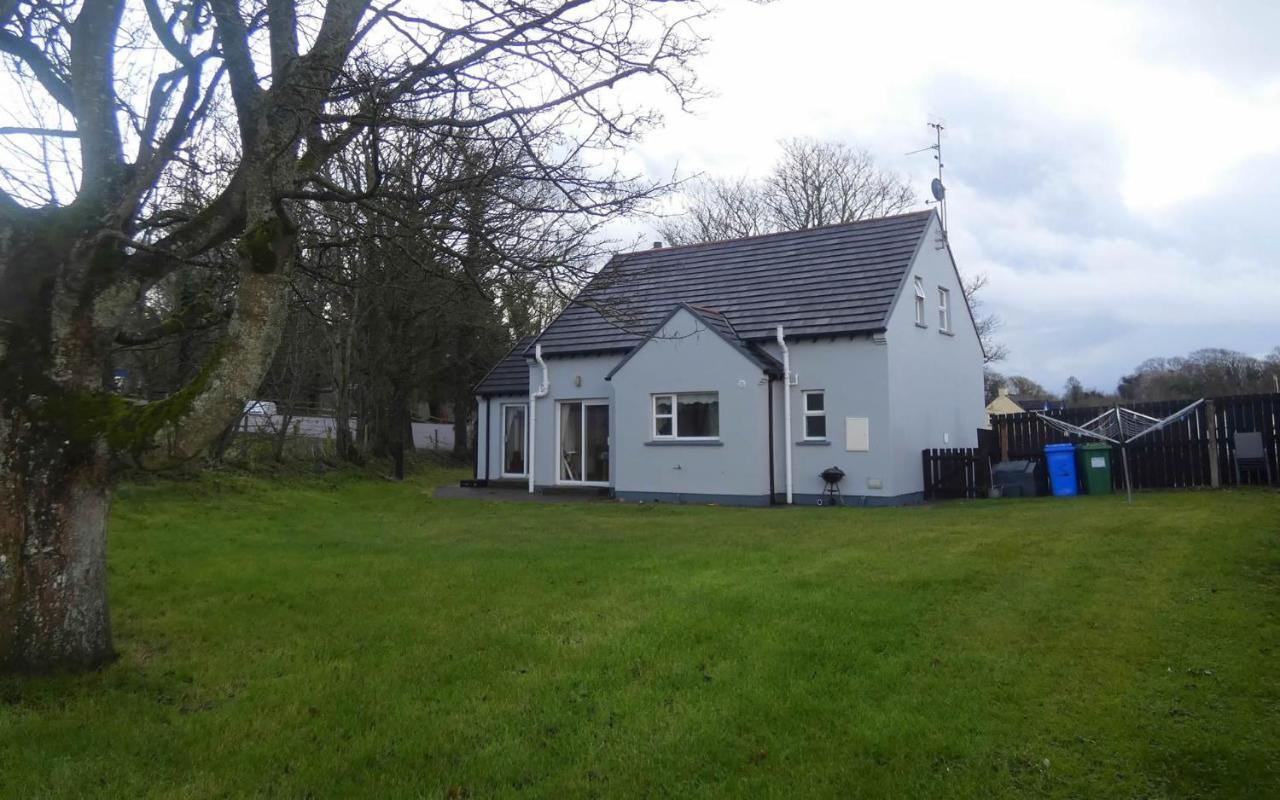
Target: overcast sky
(1113, 167)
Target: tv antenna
(936, 187)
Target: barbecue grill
(831, 496)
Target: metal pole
(942, 204)
(1124, 453)
(1128, 486)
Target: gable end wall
(935, 379)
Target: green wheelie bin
(1095, 467)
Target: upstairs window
(815, 414)
(920, 302)
(693, 415)
(944, 310)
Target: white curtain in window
(571, 441)
(698, 415)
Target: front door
(514, 439)
(584, 442)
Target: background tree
(1024, 386)
(987, 324)
(813, 183)
(1073, 391)
(1203, 373)
(151, 96)
(819, 183)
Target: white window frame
(502, 444)
(561, 481)
(920, 300)
(944, 310)
(654, 416)
(804, 407)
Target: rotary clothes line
(1119, 426)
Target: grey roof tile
(510, 375)
(832, 280)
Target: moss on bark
(83, 418)
(258, 245)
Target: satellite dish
(939, 191)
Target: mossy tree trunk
(54, 464)
(62, 434)
(53, 536)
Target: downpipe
(534, 397)
(787, 383)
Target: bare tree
(987, 325)
(819, 183)
(148, 95)
(719, 209)
(813, 183)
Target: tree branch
(191, 319)
(165, 34)
(93, 87)
(282, 25)
(54, 133)
(40, 66)
(245, 91)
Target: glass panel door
(513, 439)
(571, 441)
(596, 438)
(584, 442)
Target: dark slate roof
(833, 280)
(718, 324)
(510, 375)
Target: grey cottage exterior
(735, 372)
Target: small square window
(815, 414)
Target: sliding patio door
(584, 441)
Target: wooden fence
(955, 473)
(1197, 451)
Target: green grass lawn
(341, 637)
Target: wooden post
(1211, 418)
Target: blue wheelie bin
(1061, 460)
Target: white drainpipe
(786, 407)
(533, 409)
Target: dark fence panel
(1244, 414)
(953, 473)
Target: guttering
(534, 397)
(786, 407)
